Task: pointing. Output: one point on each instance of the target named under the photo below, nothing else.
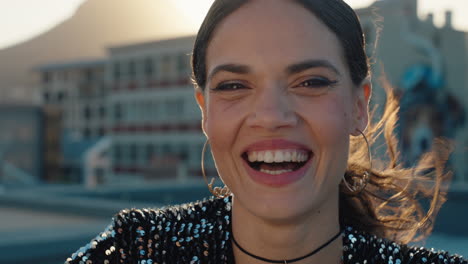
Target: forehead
(272, 33)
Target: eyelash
(228, 86)
(316, 82)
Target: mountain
(96, 25)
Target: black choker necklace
(286, 261)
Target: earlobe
(200, 98)
(361, 111)
(367, 87)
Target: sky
(21, 20)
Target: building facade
(29, 151)
(141, 98)
(427, 66)
(155, 124)
(77, 90)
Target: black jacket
(200, 233)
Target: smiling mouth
(277, 162)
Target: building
(29, 149)
(140, 97)
(77, 90)
(155, 124)
(428, 67)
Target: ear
(361, 107)
(200, 98)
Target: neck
(287, 239)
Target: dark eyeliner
(318, 82)
(228, 87)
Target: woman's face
(278, 108)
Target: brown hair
(398, 203)
(392, 204)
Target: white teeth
(260, 155)
(294, 156)
(278, 156)
(275, 172)
(269, 157)
(252, 156)
(303, 158)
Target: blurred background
(97, 111)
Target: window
(149, 66)
(46, 96)
(131, 69)
(118, 112)
(183, 152)
(165, 67)
(60, 96)
(87, 113)
(102, 111)
(166, 149)
(183, 64)
(133, 153)
(117, 70)
(117, 153)
(156, 67)
(88, 75)
(46, 77)
(150, 151)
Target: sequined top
(200, 233)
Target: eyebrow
(291, 69)
(233, 68)
(309, 64)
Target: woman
(282, 86)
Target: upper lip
(275, 144)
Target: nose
(272, 110)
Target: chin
(281, 205)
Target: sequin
(201, 232)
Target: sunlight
(24, 19)
(458, 7)
(20, 20)
(193, 12)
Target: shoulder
(183, 231)
(362, 247)
(208, 208)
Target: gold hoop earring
(360, 183)
(218, 192)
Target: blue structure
(21, 143)
(73, 152)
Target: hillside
(96, 25)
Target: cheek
(223, 121)
(329, 118)
(329, 122)
(223, 125)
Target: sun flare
(192, 11)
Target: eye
(317, 82)
(229, 86)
